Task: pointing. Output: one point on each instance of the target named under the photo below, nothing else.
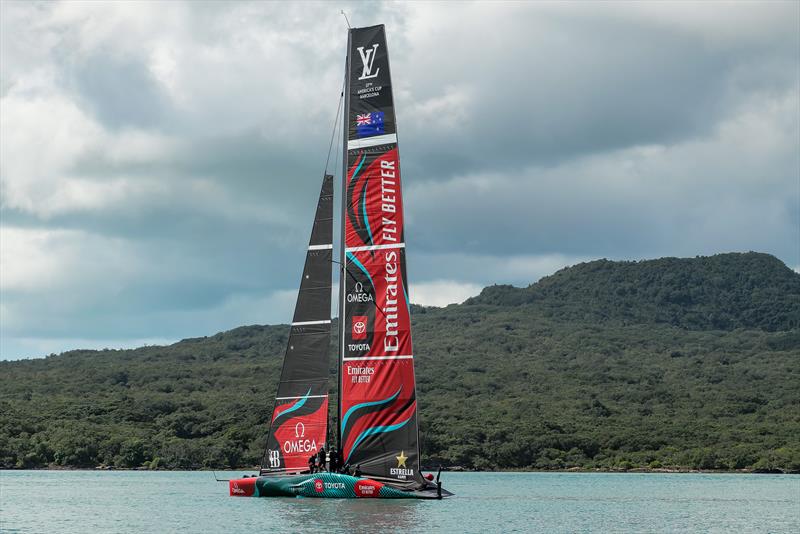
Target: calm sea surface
(126, 501)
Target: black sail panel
(300, 417)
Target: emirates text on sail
(391, 343)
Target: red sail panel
(299, 436)
(378, 409)
(374, 199)
(379, 323)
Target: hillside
(721, 292)
(603, 365)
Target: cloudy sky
(160, 161)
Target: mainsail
(300, 417)
(377, 407)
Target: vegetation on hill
(667, 363)
(722, 292)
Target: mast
(342, 258)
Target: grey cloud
(532, 137)
(121, 92)
(556, 91)
(604, 206)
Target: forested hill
(674, 362)
(724, 292)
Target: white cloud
(234, 311)
(480, 270)
(42, 137)
(721, 24)
(18, 348)
(156, 158)
(442, 292)
(42, 261)
(730, 190)
(450, 110)
(46, 136)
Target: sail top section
(371, 119)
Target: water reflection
(349, 515)
(75, 502)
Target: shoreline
(456, 469)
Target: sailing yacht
(377, 428)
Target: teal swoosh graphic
(297, 405)
(358, 169)
(364, 210)
(364, 270)
(375, 430)
(360, 163)
(367, 404)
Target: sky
(160, 162)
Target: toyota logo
(359, 327)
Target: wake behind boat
(377, 426)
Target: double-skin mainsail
(377, 407)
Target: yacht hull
(328, 485)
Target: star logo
(401, 460)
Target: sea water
(137, 501)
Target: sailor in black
(321, 458)
(334, 460)
(312, 462)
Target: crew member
(312, 462)
(334, 460)
(321, 458)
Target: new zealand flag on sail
(369, 124)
